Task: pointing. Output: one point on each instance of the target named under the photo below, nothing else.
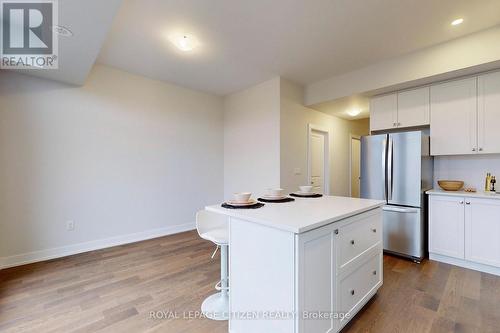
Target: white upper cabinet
(454, 117)
(403, 109)
(383, 112)
(413, 107)
(489, 113)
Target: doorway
(355, 165)
(318, 159)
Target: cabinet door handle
(336, 231)
(399, 124)
(352, 242)
(473, 149)
(374, 272)
(480, 149)
(461, 202)
(467, 203)
(374, 230)
(394, 124)
(352, 292)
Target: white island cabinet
(305, 266)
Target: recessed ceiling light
(62, 31)
(354, 112)
(184, 42)
(457, 21)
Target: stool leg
(216, 306)
(224, 269)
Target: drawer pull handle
(352, 292)
(352, 242)
(374, 230)
(374, 272)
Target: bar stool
(214, 227)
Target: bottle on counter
(493, 182)
(487, 183)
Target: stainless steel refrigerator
(398, 168)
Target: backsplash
(471, 169)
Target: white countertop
(303, 214)
(478, 194)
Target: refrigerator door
(404, 169)
(403, 231)
(373, 167)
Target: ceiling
(343, 106)
(89, 21)
(242, 43)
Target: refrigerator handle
(384, 168)
(390, 173)
(400, 209)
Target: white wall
(471, 169)
(252, 139)
(124, 157)
(294, 121)
(475, 50)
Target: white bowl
(275, 192)
(242, 197)
(306, 189)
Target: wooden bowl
(451, 185)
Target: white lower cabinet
(482, 231)
(311, 282)
(339, 270)
(465, 231)
(446, 226)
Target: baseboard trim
(59, 252)
(465, 264)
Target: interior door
(355, 166)
(404, 169)
(317, 162)
(373, 166)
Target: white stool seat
(218, 235)
(214, 227)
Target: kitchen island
(305, 266)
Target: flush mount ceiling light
(354, 112)
(184, 42)
(62, 31)
(457, 21)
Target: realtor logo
(27, 37)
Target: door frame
(351, 137)
(326, 168)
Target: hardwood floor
(118, 289)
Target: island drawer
(356, 285)
(357, 237)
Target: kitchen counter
(312, 255)
(303, 214)
(478, 194)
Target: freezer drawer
(403, 231)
